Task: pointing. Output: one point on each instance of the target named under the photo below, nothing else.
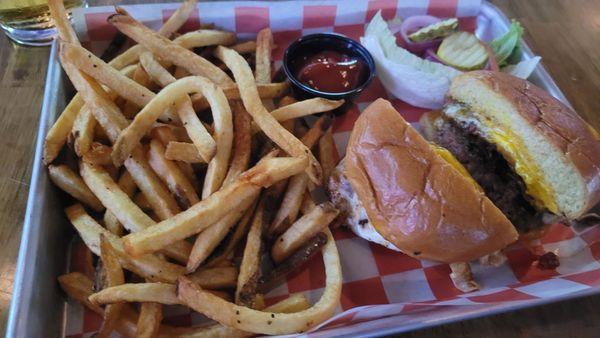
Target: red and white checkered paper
(382, 289)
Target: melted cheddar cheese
(448, 157)
(510, 147)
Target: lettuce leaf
(504, 45)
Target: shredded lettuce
(504, 45)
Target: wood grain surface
(565, 33)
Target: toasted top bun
(414, 198)
(555, 151)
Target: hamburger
(489, 173)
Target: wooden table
(565, 33)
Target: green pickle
(463, 50)
(434, 31)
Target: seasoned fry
(157, 194)
(83, 131)
(205, 37)
(265, 91)
(245, 47)
(162, 293)
(245, 292)
(154, 69)
(147, 266)
(307, 204)
(174, 93)
(207, 240)
(290, 205)
(264, 44)
(249, 93)
(98, 153)
(265, 322)
(170, 173)
(149, 320)
(61, 21)
(114, 276)
(205, 144)
(182, 151)
(215, 278)
(304, 108)
(119, 203)
(111, 222)
(242, 142)
(297, 259)
(168, 50)
(303, 229)
(327, 154)
(201, 215)
(240, 231)
(72, 184)
(87, 62)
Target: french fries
(234, 197)
(114, 276)
(147, 266)
(168, 50)
(265, 322)
(303, 229)
(141, 130)
(72, 184)
(267, 123)
(216, 278)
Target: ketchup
(330, 71)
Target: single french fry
(149, 320)
(168, 134)
(227, 200)
(245, 47)
(267, 322)
(296, 260)
(242, 142)
(59, 132)
(98, 153)
(183, 151)
(206, 145)
(216, 278)
(87, 62)
(290, 205)
(174, 93)
(168, 50)
(178, 19)
(61, 21)
(155, 70)
(304, 108)
(170, 173)
(111, 222)
(205, 37)
(240, 231)
(114, 276)
(162, 293)
(83, 131)
(245, 292)
(147, 266)
(119, 203)
(327, 154)
(209, 239)
(72, 184)
(267, 123)
(265, 91)
(157, 194)
(264, 44)
(302, 230)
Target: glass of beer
(29, 22)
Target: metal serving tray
(38, 307)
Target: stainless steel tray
(38, 307)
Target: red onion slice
(413, 24)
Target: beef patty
(492, 172)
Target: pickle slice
(463, 50)
(434, 31)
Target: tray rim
(31, 226)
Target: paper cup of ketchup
(328, 65)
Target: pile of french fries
(192, 171)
